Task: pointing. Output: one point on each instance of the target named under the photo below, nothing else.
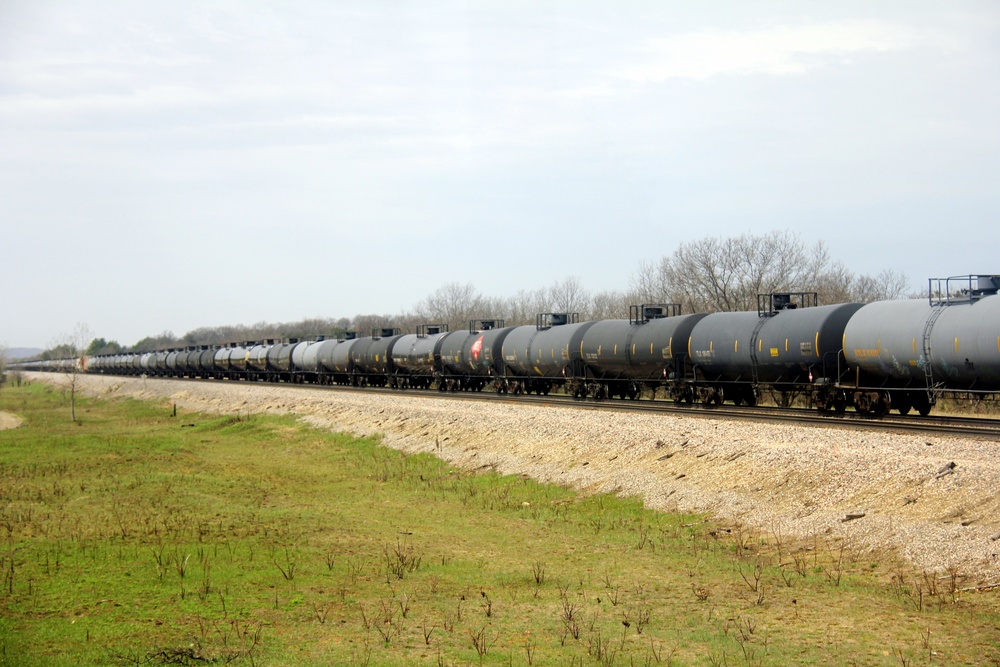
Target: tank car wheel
(719, 397)
(882, 405)
(706, 396)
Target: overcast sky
(171, 165)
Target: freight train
(875, 357)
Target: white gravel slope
(802, 481)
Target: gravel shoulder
(799, 481)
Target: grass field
(138, 538)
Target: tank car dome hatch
(781, 302)
(988, 285)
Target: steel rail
(952, 426)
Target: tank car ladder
(754, 337)
(928, 370)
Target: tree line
(706, 275)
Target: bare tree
(568, 296)
(522, 307)
(649, 283)
(888, 284)
(835, 284)
(365, 324)
(611, 305)
(715, 274)
(3, 364)
(453, 304)
(76, 342)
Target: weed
(481, 641)
(399, 559)
(129, 512)
(286, 567)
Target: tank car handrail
(549, 320)
(940, 292)
(424, 330)
(641, 314)
(486, 325)
(773, 303)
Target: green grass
(138, 538)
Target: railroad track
(971, 427)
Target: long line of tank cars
(885, 355)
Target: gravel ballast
(934, 500)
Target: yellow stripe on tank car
(670, 347)
(956, 345)
(915, 345)
(736, 345)
(760, 344)
(616, 349)
(711, 346)
(816, 346)
(786, 345)
(998, 343)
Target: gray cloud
(194, 164)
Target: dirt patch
(936, 501)
(8, 420)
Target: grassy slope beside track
(138, 538)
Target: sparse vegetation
(137, 538)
